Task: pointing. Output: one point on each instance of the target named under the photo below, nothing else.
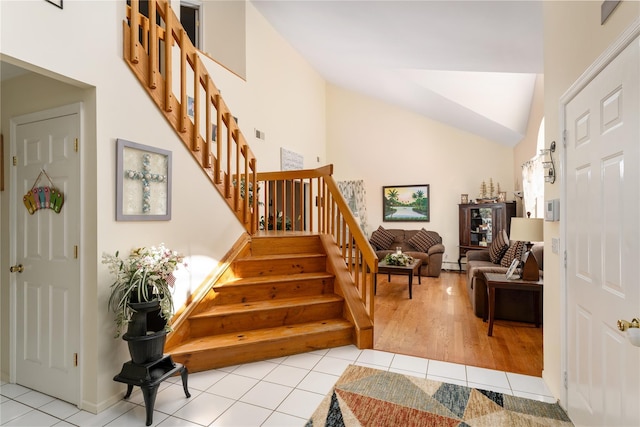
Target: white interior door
(47, 292)
(603, 268)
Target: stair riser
(285, 245)
(268, 318)
(258, 267)
(229, 294)
(253, 352)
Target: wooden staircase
(276, 298)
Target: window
(533, 180)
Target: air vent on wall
(259, 134)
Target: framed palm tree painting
(405, 203)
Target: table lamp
(528, 230)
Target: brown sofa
(431, 259)
(510, 305)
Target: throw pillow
(424, 239)
(498, 247)
(381, 239)
(515, 251)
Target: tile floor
(278, 392)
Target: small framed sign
(512, 269)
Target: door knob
(17, 268)
(623, 325)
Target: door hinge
(75, 251)
(566, 380)
(75, 145)
(565, 259)
(15, 161)
(75, 359)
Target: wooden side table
(500, 281)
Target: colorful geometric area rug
(369, 397)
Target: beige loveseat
(431, 257)
(510, 305)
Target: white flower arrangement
(146, 274)
(398, 258)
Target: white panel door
(47, 313)
(603, 263)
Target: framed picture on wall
(143, 182)
(402, 203)
(57, 3)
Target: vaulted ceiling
(469, 64)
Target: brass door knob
(623, 325)
(17, 268)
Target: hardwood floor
(438, 324)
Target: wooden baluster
(168, 69)
(311, 210)
(153, 46)
(247, 183)
(254, 208)
(216, 165)
(196, 103)
(237, 168)
(228, 153)
(134, 19)
(206, 152)
(183, 82)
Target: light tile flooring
(277, 392)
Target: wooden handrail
(148, 42)
(309, 200)
(306, 199)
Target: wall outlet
(555, 245)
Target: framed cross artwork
(143, 182)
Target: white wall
(82, 45)
(387, 145)
(573, 40)
(283, 97)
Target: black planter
(146, 348)
(146, 318)
(145, 334)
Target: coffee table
(408, 270)
(500, 281)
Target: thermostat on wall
(552, 210)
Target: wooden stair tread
(279, 278)
(281, 256)
(258, 336)
(246, 307)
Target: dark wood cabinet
(480, 222)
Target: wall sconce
(550, 176)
